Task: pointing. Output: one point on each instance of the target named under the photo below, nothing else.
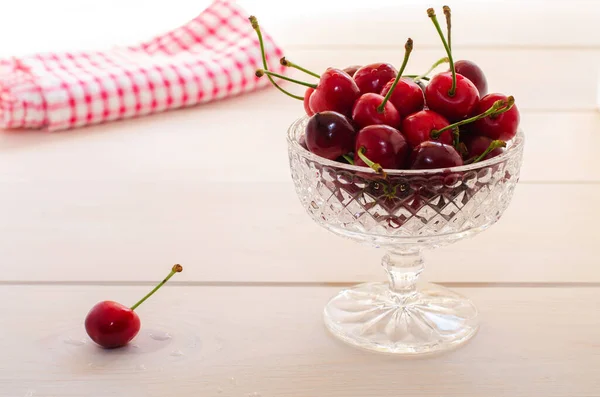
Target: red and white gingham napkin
(212, 57)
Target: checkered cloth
(212, 57)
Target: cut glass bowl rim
(514, 147)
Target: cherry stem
(175, 269)
(256, 28)
(375, 166)
(283, 61)
(456, 136)
(431, 14)
(349, 159)
(493, 146)
(497, 108)
(407, 50)
(414, 77)
(448, 25)
(262, 72)
(431, 69)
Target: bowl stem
(403, 268)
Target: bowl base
(370, 316)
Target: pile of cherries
(375, 116)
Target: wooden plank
(271, 341)
(314, 23)
(217, 141)
(248, 232)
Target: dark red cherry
(307, 95)
(502, 126)
(453, 107)
(365, 111)
(417, 127)
(430, 155)
(383, 145)
(372, 78)
(407, 97)
(330, 135)
(477, 144)
(351, 70)
(474, 73)
(336, 92)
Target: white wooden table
(103, 212)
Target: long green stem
(431, 14)
(375, 166)
(175, 269)
(497, 108)
(407, 50)
(493, 146)
(290, 64)
(261, 72)
(431, 69)
(256, 28)
(448, 25)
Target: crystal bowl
(404, 213)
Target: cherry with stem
(111, 324)
(408, 47)
(256, 28)
(262, 72)
(433, 17)
(284, 62)
(497, 108)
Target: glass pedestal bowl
(405, 213)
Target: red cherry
(383, 145)
(407, 97)
(329, 135)
(477, 145)
(372, 78)
(351, 70)
(503, 126)
(111, 325)
(453, 107)
(365, 111)
(417, 127)
(451, 95)
(336, 91)
(307, 95)
(430, 155)
(474, 73)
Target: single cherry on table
(111, 324)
